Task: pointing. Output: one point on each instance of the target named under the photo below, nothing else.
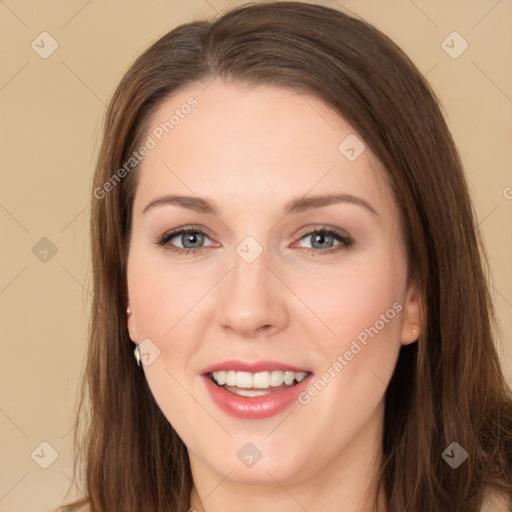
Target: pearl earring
(128, 309)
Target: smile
(255, 390)
(256, 384)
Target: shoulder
(496, 503)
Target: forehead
(230, 140)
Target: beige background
(51, 114)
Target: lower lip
(257, 407)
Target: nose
(251, 300)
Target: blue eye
(324, 238)
(192, 240)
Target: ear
(132, 330)
(411, 319)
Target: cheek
(159, 304)
(353, 298)
(362, 304)
(165, 303)
(161, 294)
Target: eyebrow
(294, 206)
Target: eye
(191, 240)
(323, 240)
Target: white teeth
(300, 376)
(220, 378)
(259, 380)
(250, 393)
(231, 378)
(243, 380)
(276, 378)
(289, 377)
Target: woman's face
(260, 293)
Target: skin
(250, 151)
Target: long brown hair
(447, 387)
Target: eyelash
(346, 241)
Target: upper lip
(252, 367)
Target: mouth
(256, 384)
(254, 391)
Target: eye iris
(321, 237)
(193, 238)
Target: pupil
(192, 238)
(321, 237)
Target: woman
(282, 230)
